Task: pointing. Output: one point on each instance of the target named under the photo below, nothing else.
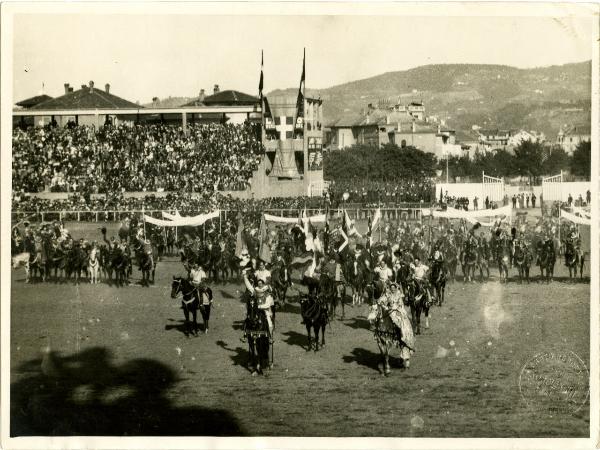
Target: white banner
(314, 219)
(582, 212)
(452, 213)
(175, 216)
(575, 219)
(183, 221)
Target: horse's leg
(195, 321)
(316, 327)
(323, 334)
(309, 339)
(426, 310)
(386, 360)
(186, 313)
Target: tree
(555, 160)
(528, 159)
(581, 162)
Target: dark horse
(574, 259)
(189, 302)
(547, 259)
(468, 261)
(503, 257)
(76, 262)
(522, 259)
(313, 309)
(147, 263)
(119, 264)
(438, 280)
(256, 332)
(416, 298)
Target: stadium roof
(30, 102)
(86, 98)
(229, 97)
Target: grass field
(100, 360)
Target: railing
(355, 213)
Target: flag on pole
(301, 88)
(376, 219)
(264, 252)
(260, 82)
(240, 245)
(348, 226)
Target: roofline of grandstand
(135, 111)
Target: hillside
(473, 94)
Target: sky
(145, 56)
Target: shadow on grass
(87, 394)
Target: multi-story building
(570, 137)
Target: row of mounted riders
(47, 258)
(506, 252)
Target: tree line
(392, 163)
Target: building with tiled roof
(224, 98)
(33, 101)
(88, 97)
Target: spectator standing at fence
(570, 200)
(487, 202)
(476, 203)
(514, 201)
(588, 197)
(533, 200)
(527, 200)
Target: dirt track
(120, 364)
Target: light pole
(446, 167)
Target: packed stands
(135, 158)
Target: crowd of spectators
(135, 158)
(370, 193)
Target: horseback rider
(202, 292)
(419, 271)
(393, 302)
(263, 295)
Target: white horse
(22, 260)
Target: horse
(483, 257)
(215, 255)
(170, 241)
(522, 259)
(451, 256)
(416, 299)
(59, 261)
(189, 302)
(76, 262)
(22, 260)
(280, 281)
(315, 316)
(387, 334)
(256, 332)
(147, 263)
(119, 264)
(469, 262)
(357, 271)
(574, 259)
(438, 281)
(547, 259)
(328, 295)
(503, 257)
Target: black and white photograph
(299, 220)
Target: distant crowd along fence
(405, 212)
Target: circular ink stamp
(556, 381)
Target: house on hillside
(469, 143)
(570, 137)
(522, 135)
(494, 139)
(352, 129)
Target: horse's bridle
(184, 294)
